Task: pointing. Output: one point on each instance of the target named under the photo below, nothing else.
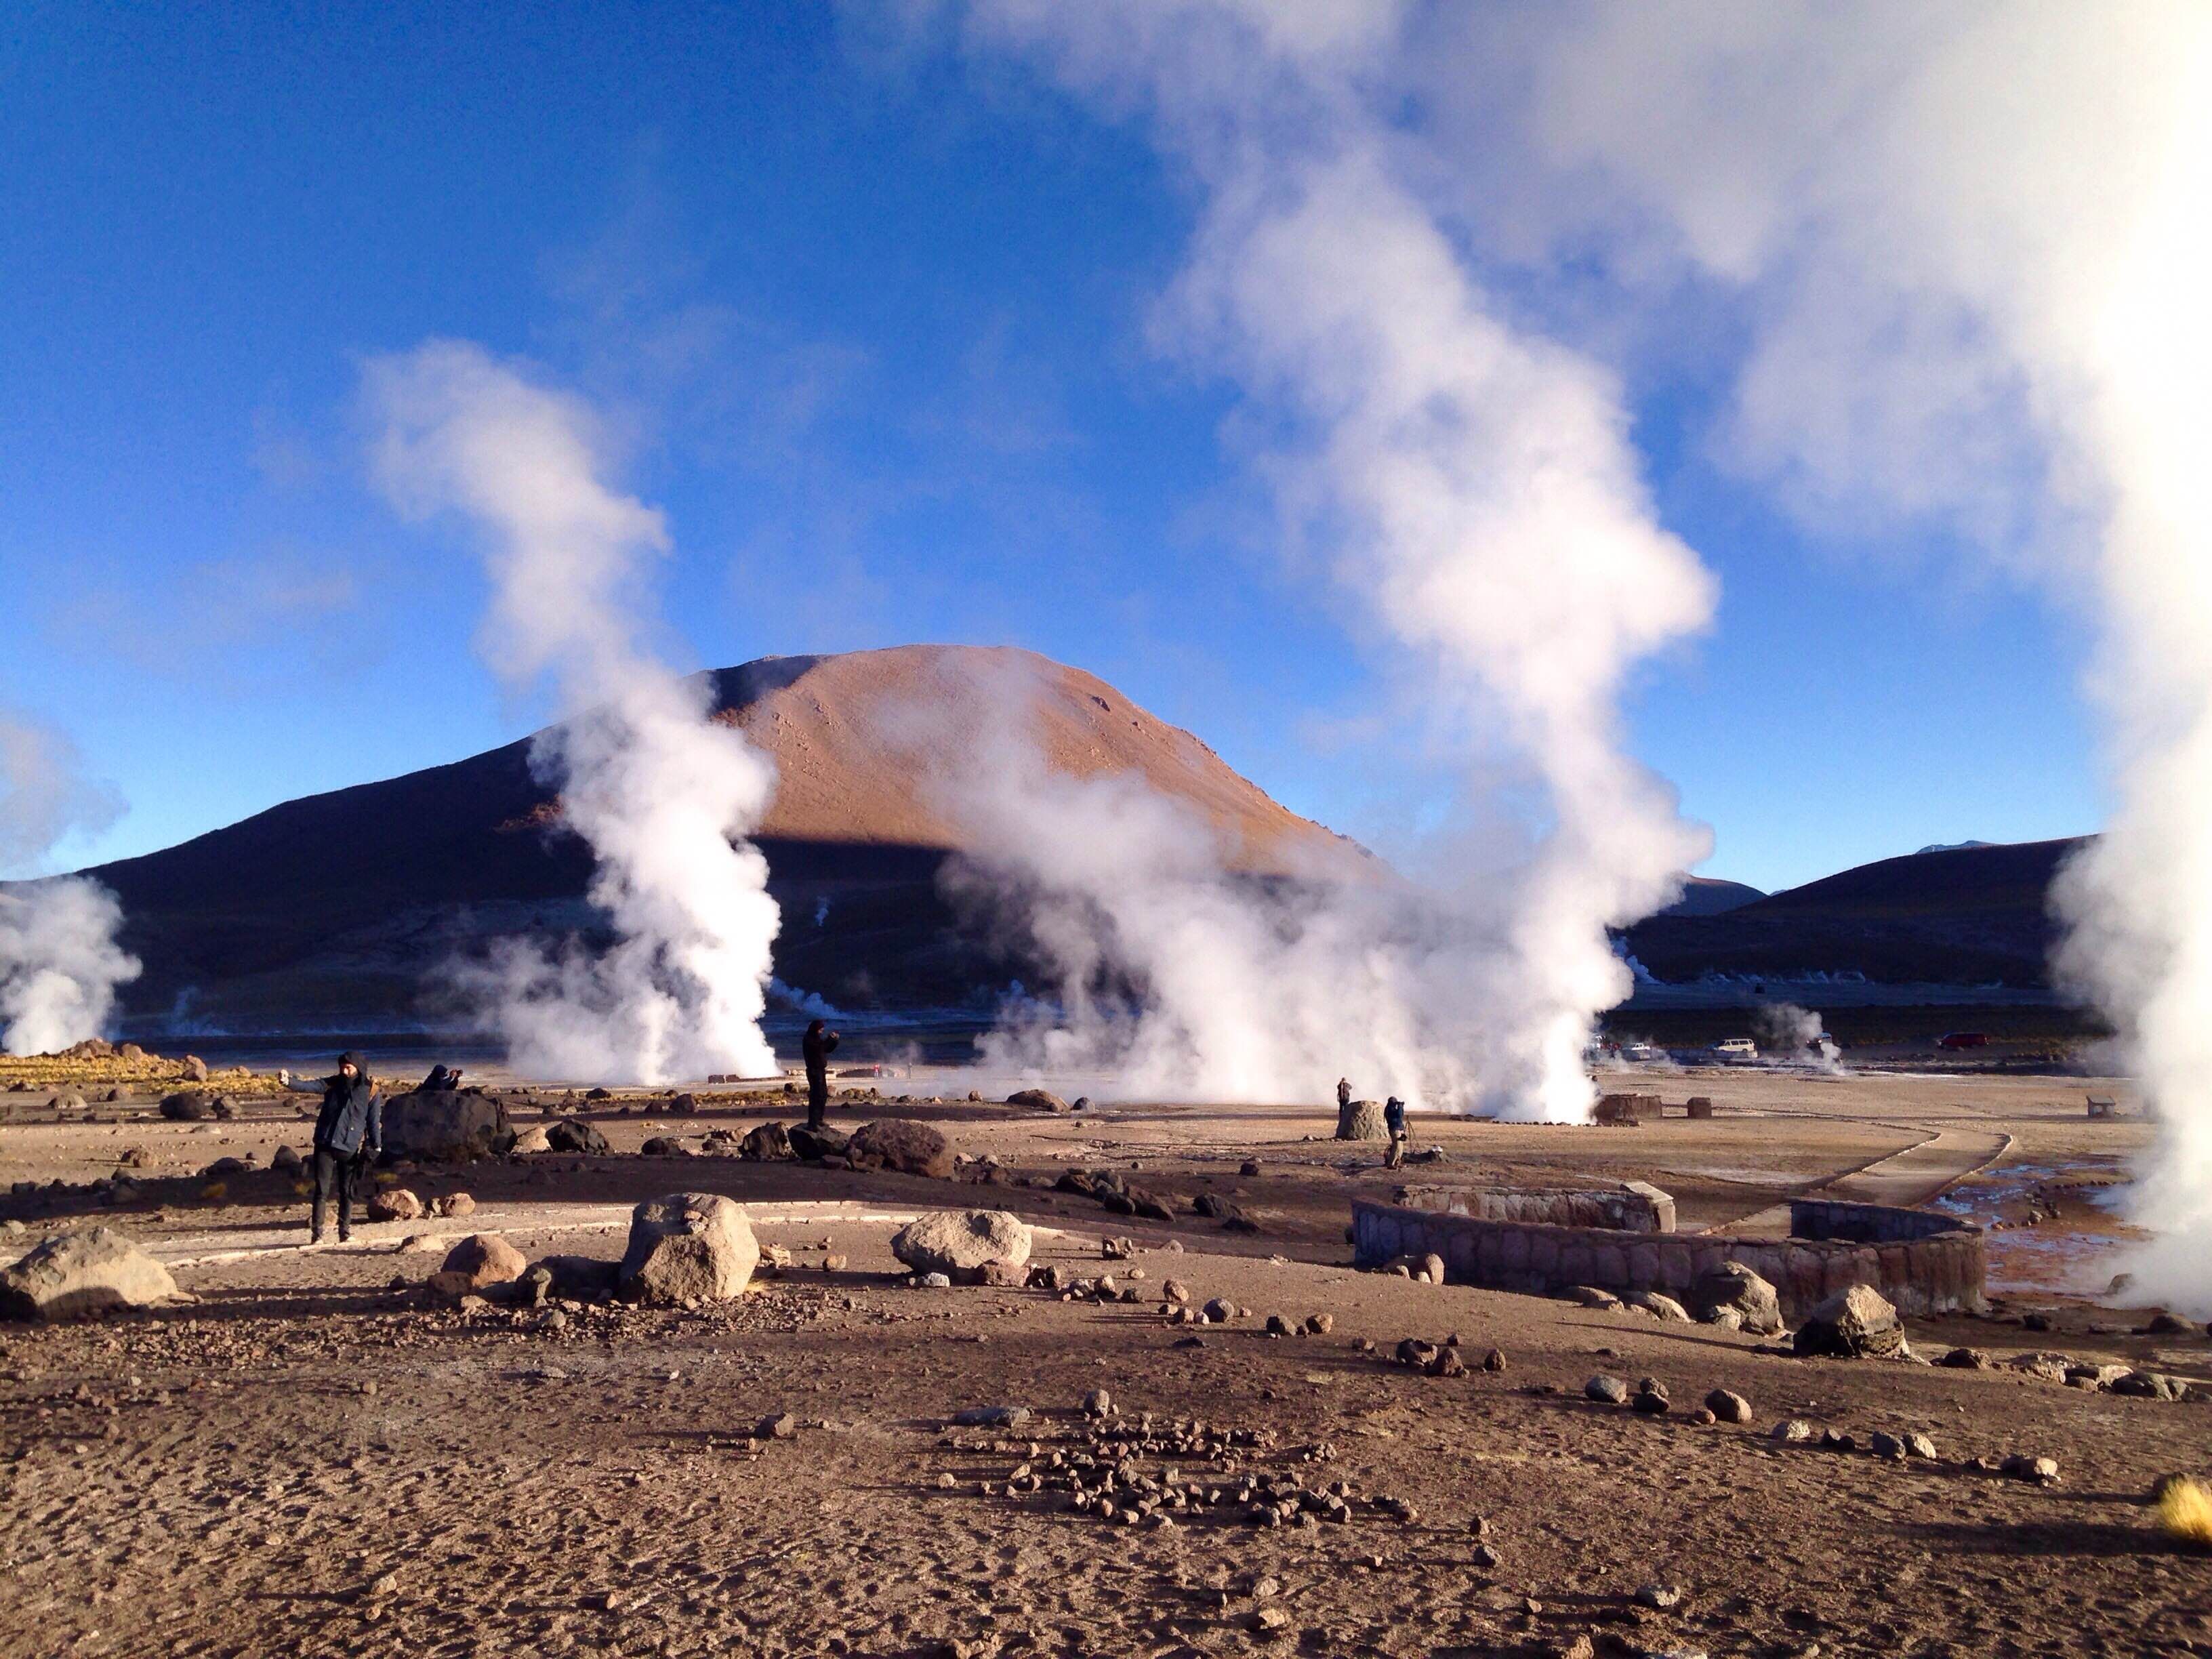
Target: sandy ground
(310, 1459)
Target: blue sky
(873, 327)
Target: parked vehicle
(1963, 1040)
(1736, 1048)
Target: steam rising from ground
(1798, 1036)
(1959, 254)
(657, 790)
(1476, 484)
(59, 963)
(1971, 248)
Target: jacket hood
(357, 1060)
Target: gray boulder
(1362, 1119)
(1037, 1100)
(1734, 1288)
(187, 1106)
(810, 1145)
(443, 1123)
(75, 1276)
(688, 1247)
(959, 1243)
(1857, 1323)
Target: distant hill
(338, 908)
(1705, 896)
(1962, 916)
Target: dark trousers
(335, 1172)
(817, 1102)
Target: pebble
(1659, 1597)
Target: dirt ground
(309, 1458)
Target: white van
(1736, 1048)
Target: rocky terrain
(1198, 1435)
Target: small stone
(1319, 1324)
(1887, 1445)
(933, 1281)
(1098, 1403)
(1486, 1557)
(2043, 1470)
(1795, 1431)
(1606, 1389)
(1278, 1325)
(1659, 1597)
(783, 1426)
(1966, 1359)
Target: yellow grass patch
(2184, 1512)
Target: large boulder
(1362, 1119)
(1857, 1323)
(443, 1123)
(77, 1274)
(812, 1145)
(765, 1143)
(572, 1134)
(187, 1106)
(687, 1247)
(1736, 1288)
(893, 1143)
(1037, 1100)
(478, 1261)
(960, 1244)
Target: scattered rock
(2042, 1471)
(83, 1274)
(992, 1417)
(187, 1106)
(1606, 1389)
(958, 1242)
(782, 1426)
(1857, 1323)
(1659, 1597)
(1728, 1407)
(483, 1260)
(1221, 1310)
(1098, 1403)
(1794, 1432)
(1658, 1306)
(687, 1246)
(394, 1204)
(1589, 1296)
(1037, 1100)
(572, 1134)
(1651, 1398)
(452, 1205)
(1734, 1288)
(284, 1161)
(1966, 1359)
(765, 1143)
(664, 1146)
(816, 1145)
(1319, 1324)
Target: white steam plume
(59, 963)
(59, 960)
(1476, 480)
(1800, 1036)
(658, 790)
(1969, 247)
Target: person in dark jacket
(1394, 1119)
(349, 1137)
(817, 1046)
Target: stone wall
(1634, 1206)
(1926, 1264)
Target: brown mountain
(340, 909)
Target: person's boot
(315, 1223)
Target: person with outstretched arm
(817, 1046)
(348, 1136)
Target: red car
(1963, 1040)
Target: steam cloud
(59, 963)
(1477, 483)
(1970, 247)
(658, 790)
(1800, 1036)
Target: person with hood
(348, 1136)
(816, 1046)
(1394, 1119)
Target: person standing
(349, 1137)
(1394, 1119)
(1343, 1095)
(816, 1046)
